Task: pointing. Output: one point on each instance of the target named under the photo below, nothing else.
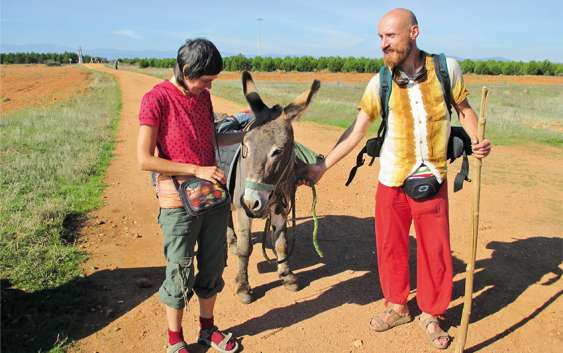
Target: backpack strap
(385, 84)
(463, 174)
(359, 162)
(441, 68)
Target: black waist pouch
(421, 188)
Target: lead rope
(310, 157)
(315, 223)
(267, 228)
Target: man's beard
(397, 56)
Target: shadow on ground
(33, 321)
(348, 244)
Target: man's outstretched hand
(310, 174)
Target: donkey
(265, 182)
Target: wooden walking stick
(469, 271)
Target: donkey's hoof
(291, 282)
(244, 296)
(233, 249)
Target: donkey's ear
(298, 106)
(252, 97)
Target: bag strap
(176, 184)
(385, 84)
(463, 174)
(359, 162)
(441, 68)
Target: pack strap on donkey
(459, 143)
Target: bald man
(414, 149)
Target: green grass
(522, 113)
(52, 161)
(517, 114)
(60, 346)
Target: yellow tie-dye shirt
(418, 125)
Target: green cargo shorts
(181, 233)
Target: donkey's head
(267, 148)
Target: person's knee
(177, 288)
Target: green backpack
(459, 143)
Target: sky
(516, 30)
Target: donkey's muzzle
(255, 202)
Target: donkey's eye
(276, 152)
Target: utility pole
(259, 19)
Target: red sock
(206, 323)
(216, 337)
(176, 337)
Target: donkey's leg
(244, 249)
(289, 279)
(231, 235)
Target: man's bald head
(403, 18)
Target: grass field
(517, 113)
(52, 163)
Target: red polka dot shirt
(185, 124)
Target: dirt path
(518, 283)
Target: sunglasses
(403, 80)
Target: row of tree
(266, 63)
(303, 63)
(46, 58)
(352, 64)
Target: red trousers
(394, 212)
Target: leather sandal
(177, 347)
(394, 319)
(205, 340)
(435, 336)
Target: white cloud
(128, 33)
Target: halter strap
(254, 185)
(258, 186)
